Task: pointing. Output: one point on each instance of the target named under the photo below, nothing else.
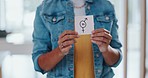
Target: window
(134, 36)
(17, 17)
(147, 41)
(133, 40)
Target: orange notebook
(83, 58)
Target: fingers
(67, 37)
(102, 34)
(68, 32)
(66, 49)
(67, 43)
(101, 39)
(100, 30)
(97, 42)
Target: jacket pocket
(55, 23)
(54, 19)
(106, 21)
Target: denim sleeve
(115, 43)
(41, 40)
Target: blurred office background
(16, 26)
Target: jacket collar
(46, 3)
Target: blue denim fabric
(54, 17)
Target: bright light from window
(16, 38)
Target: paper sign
(84, 24)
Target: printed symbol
(83, 24)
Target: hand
(66, 39)
(102, 38)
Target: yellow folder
(83, 58)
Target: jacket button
(97, 55)
(107, 18)
(70, 69)
(88, 7)
(54, 19)
(99, 71)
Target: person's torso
(58, 16)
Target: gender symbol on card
(83, 24)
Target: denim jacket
(54, 17)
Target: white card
(84, 24)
